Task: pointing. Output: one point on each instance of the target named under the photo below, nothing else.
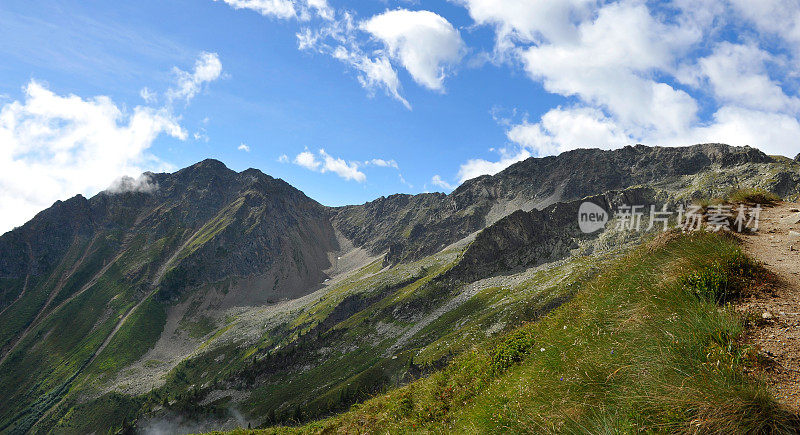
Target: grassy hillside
(368, 332)
(645, 346)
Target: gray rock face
(241, 224)
(524, 239)
(215, 222)
(797, 158)
(411, 227)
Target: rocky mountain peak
(210, 165)
(418, 225)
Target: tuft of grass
(753, 196)
(722, 280)
(629, 353)
(706, 203)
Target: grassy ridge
(644, 346)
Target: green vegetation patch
(137, 335)
(199, 327)
(753, 196)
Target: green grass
(46, 366)
(112, 407)
(213, 227)
(753, 196)
(136, 336)
(43, 369)
(200, 327)
(643, 347)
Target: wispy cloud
(422, 42)
(382, 163)
(244, 147)
(207, 68)
(285, 9)
(323, 162)
(437, 181)
(148, 96)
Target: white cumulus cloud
(529, 21)
(777, 17)
(476, 167)
(308, 160)
(738, 74)
(422, 42)
(611, 63)
(425, 43)
(53, 147)
(560, 130)
(641, 72)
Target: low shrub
(723, 279)
(753, 196)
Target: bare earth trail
(777, 245)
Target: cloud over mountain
(54, 146)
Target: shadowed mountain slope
(410, 227)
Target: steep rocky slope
(414, 226)
(524, 239)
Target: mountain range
(211, 299)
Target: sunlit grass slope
(645, 346)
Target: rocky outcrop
(410, 227)
(525, 239)
(211, 222)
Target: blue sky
(402, 96)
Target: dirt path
(777, 245)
